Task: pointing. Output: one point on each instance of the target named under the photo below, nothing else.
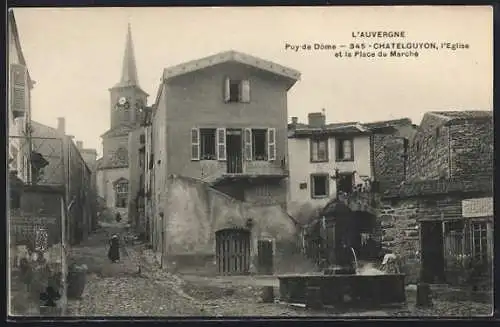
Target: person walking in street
(114, 249)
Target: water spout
(355, 260)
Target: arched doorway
(233, 251)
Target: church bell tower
(127, 97)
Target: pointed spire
(129, 70)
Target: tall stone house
(127, 100)
(448, 194)
(217, 159)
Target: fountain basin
(368, 291)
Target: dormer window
(237, 90)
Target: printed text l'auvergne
(378, 34)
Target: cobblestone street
(121, 290)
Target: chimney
(61, 125)
(79, 145)
(295, 120)
(316, 119)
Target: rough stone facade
(471, 150)
(390, 151)
(404, 209)
(450, 147)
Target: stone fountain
(343, 283)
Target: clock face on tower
(122, 104)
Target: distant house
(448, 192)
(326, 159)
(137, 174)
(65, 166)
(220, 123)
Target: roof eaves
(232, 55)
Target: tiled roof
(436, 187)
(388, 123)
(328, 129)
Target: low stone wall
(400, 235)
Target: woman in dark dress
(114, 249)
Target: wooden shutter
(18, 89)
(271, 144)
(248, 144)
(245, 91)
(221, 144)
(195, 144)
(227, 89)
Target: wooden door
(265, 257)
(233, 251)
(432, 252)
(234, 151)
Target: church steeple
(129, 69)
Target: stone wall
(194, 212)
(400, 234)
(458, 149)
(400, 224)
(429, 156)
(471, 149)
(389, 159)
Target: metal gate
(233, 251)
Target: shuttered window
(248, 144)
(227, 89)
(245, 91)
(236, 90)
(271, 144)
(18, 89)
(195, 144)
(221, 144)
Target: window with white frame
(236, 90)
(319, 149)
(319, 185)
(345, 150)
(259, 141)
(260, 144)
(121, 194)
(207, 144)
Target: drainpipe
(449, 153)
(162, 224)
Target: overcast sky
(75, 55)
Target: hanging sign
(479, 207)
